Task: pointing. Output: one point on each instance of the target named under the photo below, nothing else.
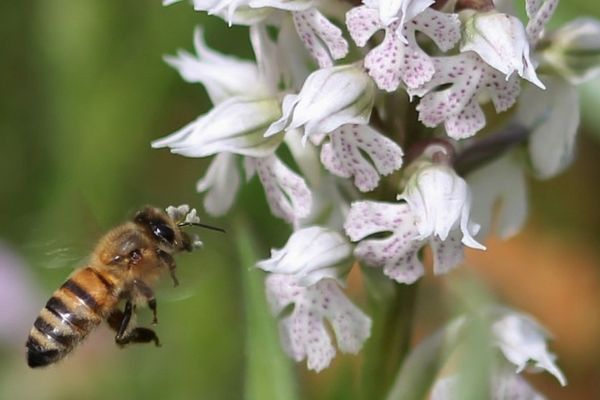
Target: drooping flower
(304, 275)
(399, 58)
(457, 106)
(344, 155)
(523, 342)
(330, 98)
(501, 41)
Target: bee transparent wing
(59, 256)
(177, 294)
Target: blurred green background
(84, 92)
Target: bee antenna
(213, 228)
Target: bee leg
(170, 262)
(148, 294)
(119, 320)
(141, 335)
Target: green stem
(391, 335)
(268, 373)
(398, 333)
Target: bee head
(159, 225)
(166, 226)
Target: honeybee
(124, 266)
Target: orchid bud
(310, 254)
(501, 41)
(217, 132)
(440, 201)
(329, 98)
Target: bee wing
(178, 294)
(58, 256)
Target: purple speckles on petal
(342, 155)
(397, 253)
(303, 332)
(458, 105)
(322, 39)
(396, 60)
(447, 254)
(287, 193)
(539, 12)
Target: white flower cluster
(346, 120)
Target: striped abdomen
(70, 314)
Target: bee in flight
(124, 266)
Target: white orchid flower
(501, 41)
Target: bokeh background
(85, 91)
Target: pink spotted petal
(343, 155)
(442, 28)
(362, 23)
(463, 125)
(532, 7)
(303, 332)
(397, 253)
(539, 12)
(322, 39)
(368, 218)
(287, 193)
(458, 105)
(395, 61)
(447, 254)
(503, 92)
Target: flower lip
(303, 330)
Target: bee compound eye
(163, 232)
